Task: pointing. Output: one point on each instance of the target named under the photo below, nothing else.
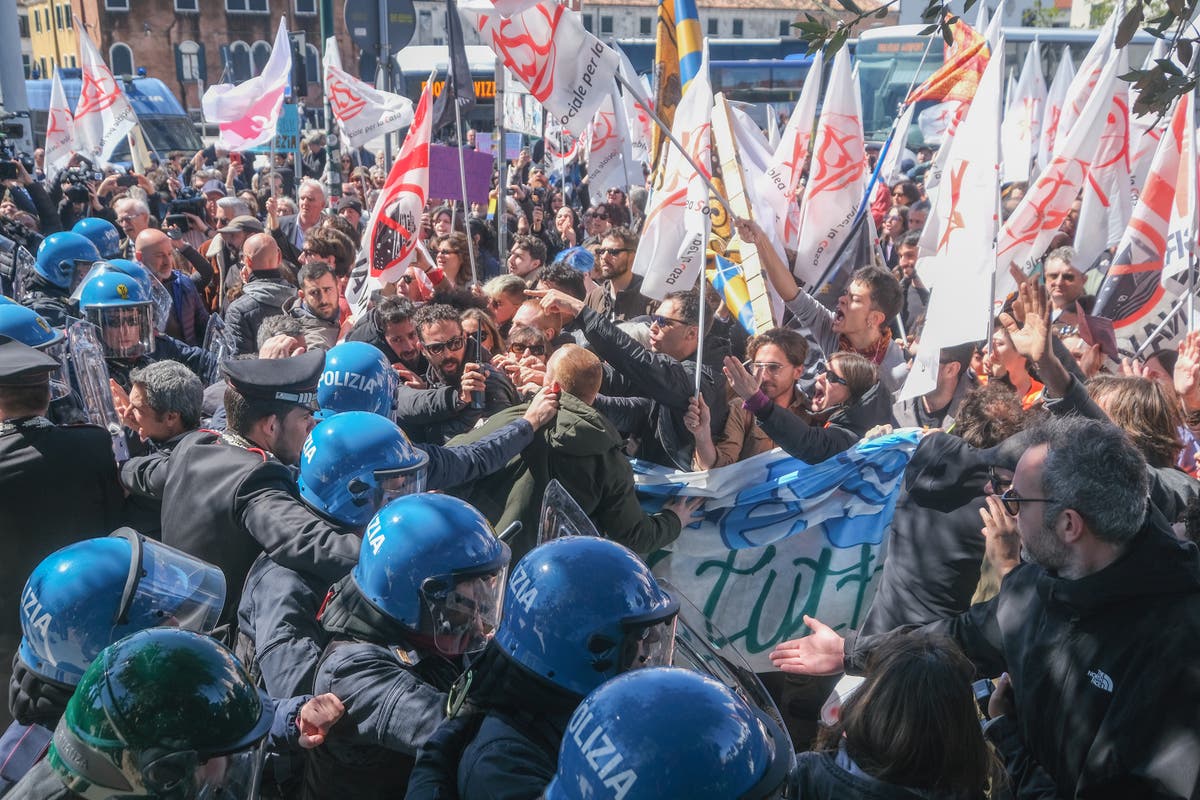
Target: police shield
(218, 342)
(16, 268)
(89, 374)
(561, 516)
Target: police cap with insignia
(22, 365)
(290, 380)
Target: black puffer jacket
(843, 430)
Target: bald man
(188, 320)
(264, 293)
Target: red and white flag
(1146, 129)
(610, 158)
(394, 232)
(547, 49)
(362, 112)
(1021, 131)
(505, 8)
(1086, 78)
(1107, 200)
(247, 113)
(103, 115)
(60, 129)
(1038, 217)
(1184, 225)
(640, 125)
(959, 273)
(837, 177)
(674, 238)
(1055, 98)
(778, 186)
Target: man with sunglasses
(458, 374)
(1095, 636)
(619, 297)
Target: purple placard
(443, 174)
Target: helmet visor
(170, 587)
(393, 483)
(466, 614)
(649, 644)
(231, 777)
(125, 331)
(60, 382)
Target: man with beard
(458, 375)
(390, 327)
(316, 307)
(620, 297)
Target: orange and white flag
(60, 129)
(958, 77)
(1183, 228)
(778, 186)
(103, 115)
(1021, 131)
(1107, 199)
(1055, 98)
(362, 112)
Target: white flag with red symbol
(1145, 130)
(778, 186)
(247, 113)
(390, 243)
(675, 234)
(1085, 81)
(1040, 214)
(610, 161)
(837, 177)
(1055, 98)
(547, 49)
(362, 112)
(103, 115)
(640, 125)
(1021, 131)
(1107, 202)
(1184, 226)
(505, 8)
(60, 129)
(959, 273)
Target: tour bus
(892, 60)
(165, 125)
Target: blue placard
(287, 132)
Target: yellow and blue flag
(690, 41)
(730, 282)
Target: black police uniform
(52, 302)
(58, 485)
(226, 501)
(197, 359)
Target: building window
(587, 22)
(646, 26)
(306, 8)
(260, 53)
(246, 6)
(737, 27)
(27, 65)
(188, 53)
(187, 6)
(73, 64)
(58, 23)
(116, 5)
(239, 61)
(785, 27)
(120, 58)
(67, 18)
(312, 63)
(37, 21)
(606, 26)
(712, 27)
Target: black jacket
(633, 371)
(819, 776)
(848, 424)
(262, 296)
(52, 302)
(1105, 669)
(436, 414)
(370, 330)
(934, 544)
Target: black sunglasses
(1012, 501)
(612, 251)
(664, 322)
(833, 377)
(436, 348)
(533, 349)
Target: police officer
(102, 233)
(577, 612)
(425, 592)
(229, 497)
(121, 308)
(664, 732)
(27, 326)
(167, 714)
(58, 485)
(62, 259)
(78, 601)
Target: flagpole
(671, 137)
(462, 179)
(700, 337)
(1175, 309)
(501, 165)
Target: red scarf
(874, 353)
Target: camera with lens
(189, 201)
(77, 179)
(8, 156)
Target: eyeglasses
(517, 349)
(447, 252)
(833, 377)
(612, 251)
(595, 216)
(997, 482)
(769, 367)
(659, 321)
(1012, 501)
(898, 193)
(118, 319)
(436, 348)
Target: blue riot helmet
(711, 746)
(354, 463)
(581, 610)
(28, 327)
(64, 258)
(122, 309)
(163, 303)
(101, 233)
(433, 563)
(87, 595)
(357, 377)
